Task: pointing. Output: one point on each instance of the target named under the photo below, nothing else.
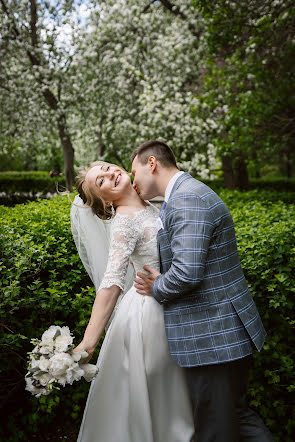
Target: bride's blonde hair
(90, 199)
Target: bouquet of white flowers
(53, 362)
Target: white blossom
(58, 367)
(79, 355)
(64, 341)
(90, 371)
(45, 379)
(59, 363)
(43, 363)
(37, 391)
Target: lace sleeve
(123, 240)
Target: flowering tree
(248, 83)
(214, 80)
(36, 66)
(136, 76)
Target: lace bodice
(135, 239)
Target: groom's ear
(152, 162)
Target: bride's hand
(85, 347)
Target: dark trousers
(221, 413)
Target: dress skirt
(139, 394)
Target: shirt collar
(171, 184)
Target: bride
(139, 394)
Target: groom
(211, 321)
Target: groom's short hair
(158, 149)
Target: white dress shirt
(168, 190)
(171, 184)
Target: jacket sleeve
(190, 226)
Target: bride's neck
(130, 199)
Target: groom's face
(143, 179)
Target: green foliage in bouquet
(43, 282)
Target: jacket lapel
(183, 177)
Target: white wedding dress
(139, 394)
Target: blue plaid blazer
(210, 315)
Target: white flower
(59, 363)
(37, 391)
(90, 371)
(34, 363)
(53, 360)
(45, 379)
(62, 380)
(46, 349)
(36, 349)
(65, 331)
(50, 334)
(47, 340)
(74, 373)
(43, 363)
(64, 341)
(79, 355)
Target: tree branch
(35, 61)
(177, 12)
(147, 7)
(6, 88)
(33, 22)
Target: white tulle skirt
(139, 394)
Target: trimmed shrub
(18, 186)
(275, 184)
(266, 243)
(265, 197)
(43, 282)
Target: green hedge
(43, 282)
(265, 229)
(275, 184)
(34, 182)
(232, 197)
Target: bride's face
(108, 182)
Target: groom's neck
(164, 176)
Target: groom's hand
(144, 282)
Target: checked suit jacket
(210, 315)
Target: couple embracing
(174, 362)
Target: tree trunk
(289, 169)
(286, 162)
(257, 173)
(51, 100)
(228, 174)
(101, 146)
(241, 174)
(68, 152)
(101, 149)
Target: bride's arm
(123, 240)
(102, 309)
